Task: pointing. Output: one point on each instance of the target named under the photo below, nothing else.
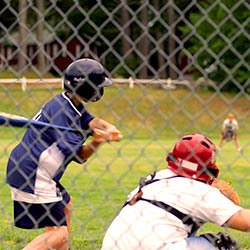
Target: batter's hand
(107, 135)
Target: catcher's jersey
(230, 125)
(144, 226)
(38, 162)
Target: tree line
(144, 39)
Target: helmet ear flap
(97, 95)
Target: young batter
(39, 161)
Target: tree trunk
(160, 59)
(40, 35)
(22, 38)
(143, 45)
(171, 41)
(126, 30)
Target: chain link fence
(177, 67)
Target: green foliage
(219, 42)
(213, 34)
(127, 69)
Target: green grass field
(151, 120)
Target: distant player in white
(168, 207)
(229, 130)
(39, 161)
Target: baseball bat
(20, 121)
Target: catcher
(169, 206)
(39, 161)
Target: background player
(39, 161)
(229, 131)
(169, 206)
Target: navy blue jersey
(38, 162)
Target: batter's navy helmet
(86, 78)
(193, 156)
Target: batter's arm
(102, 132)
(87, 150)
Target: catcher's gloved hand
(226, 189)
(223, 241)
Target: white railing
(24, 82)
(164, 83)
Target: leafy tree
(219, 42)
(8, 17)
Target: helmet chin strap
(170, 157)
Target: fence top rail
(167, 83)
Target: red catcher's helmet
(193, 156)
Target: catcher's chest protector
(186, 219)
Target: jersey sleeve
(69, 142)
(216, 208)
